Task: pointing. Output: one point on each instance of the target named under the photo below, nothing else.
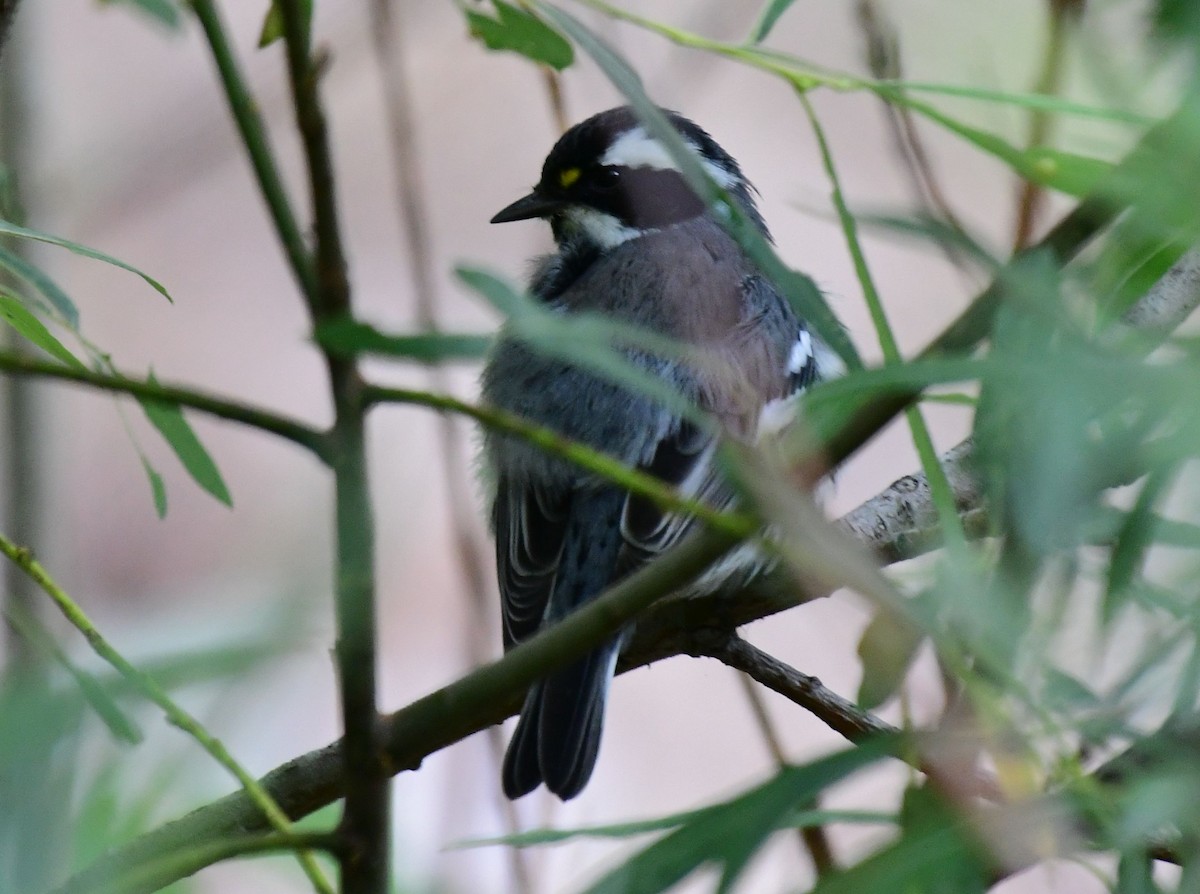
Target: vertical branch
(813, 840)
(19, 471)
(1032, 195)
(365, 820)
(415, 219)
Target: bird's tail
(558, 736)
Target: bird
(634, 242)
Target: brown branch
(411, 204)
(366, 817)
(839, 714)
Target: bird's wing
(530, 525)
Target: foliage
(1077, 399)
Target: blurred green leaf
(347, 338)
(158, 487)
(518, 31)
(935, 854)
(1066, 172)
(272, 27)
(887, 649)
(732, 832)
(58, 299)
(11, 229)
(1134, 540)
(770, 14)
(14, 313)
(802, 819)
(171, 424)
(165, 12)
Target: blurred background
(123, 142)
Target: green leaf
(347, 338)
(934, 855)
(803, 819)
(272, 28)
(732, 832)
(165, 12)
(1075, 175)
(58, 299)
(887, 649)
(14, 313)
(158, 488)
(520, 32)
(767, 19)
(172, 425)
(799, 289)
(8, 228)
(1134, 540)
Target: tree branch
(254, 137)
(289, 429)
(365, 826)
(839, 714)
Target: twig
(839, 714)
(366, 817)
(884, 62)
(8, 12)
(481, 698)
(150, 689)
(1032, 195)
(288, 429)
(814, 842)
(254, 138)
(390, 54)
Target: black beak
(533, 205)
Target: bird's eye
(607, 178)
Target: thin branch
(149, 688)
(254, 138)
(366, 817)
(839, 714)
(189, 860)
(1033, 195)
(390, 55)
(814, 842)
(484, 697)
(289, 429)
(8, 12)
(732, 523)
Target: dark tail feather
(558, 736)
(522, 771)
(571, 719)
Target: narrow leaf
(518, 31)
(272, 28)
(732, 832)
(158, 488)
(887, 649)
(766, 21)
(165, 12)
(1134, 540)
(14, 313)
(347, 338)
(8, 228)
(58, 299)
(1075, 175)
(172, 425)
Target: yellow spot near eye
(568, 177)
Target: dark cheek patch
(646, 198)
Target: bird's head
(607, 181)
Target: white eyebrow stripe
(637, 149)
